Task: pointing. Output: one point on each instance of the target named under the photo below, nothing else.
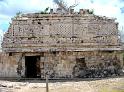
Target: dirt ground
(82, 85)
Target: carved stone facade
(62, 45)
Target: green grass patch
(111, 90)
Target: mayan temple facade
(63, 45)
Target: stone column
(121, 60)
(23, 67)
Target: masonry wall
(66, 40)
(60, 64)
(8, 65)
(35, 32)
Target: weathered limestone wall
(35, 32)
(8, 65)
(60, 64)
(71, 43)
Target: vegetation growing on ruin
(91, 11)
(45, 11)
(18, 14)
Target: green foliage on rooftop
(18, 13)
(91, 11)
(45, 11)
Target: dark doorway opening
(81, 63)
(32, 66)
(79, 70)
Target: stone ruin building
(63, 45)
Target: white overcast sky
(109, 8)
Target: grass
(111, 90)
